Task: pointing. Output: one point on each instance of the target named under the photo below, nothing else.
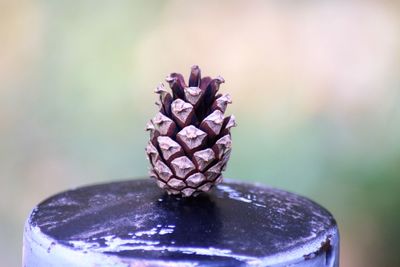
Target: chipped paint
(132, 223)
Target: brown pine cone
(190, 141)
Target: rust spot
(325, 247)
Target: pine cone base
(190, 140)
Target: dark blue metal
(236, 224)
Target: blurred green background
(315, 86)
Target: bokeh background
(315, 84)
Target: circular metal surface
(133, 223)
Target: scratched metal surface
(236, 224)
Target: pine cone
(190, 140)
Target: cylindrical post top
(133, 223)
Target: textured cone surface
(190, 140)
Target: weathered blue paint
(133, 223)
